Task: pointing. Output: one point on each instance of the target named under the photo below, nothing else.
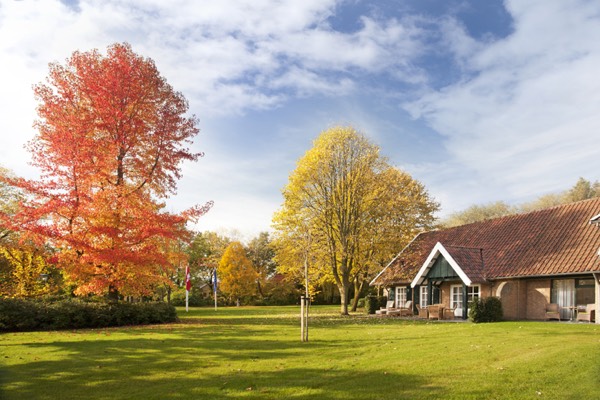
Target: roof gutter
(542, 276)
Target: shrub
(195, 299)
(373, 303)
(361, 303)
(488, 309)
(28, 315)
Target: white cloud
(525, 119)
(519, 120)
(226, 57)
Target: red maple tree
(112, 134)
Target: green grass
(256, 353)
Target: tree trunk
(260, 289)
(358, 286)
(113, 294)
(343, 288)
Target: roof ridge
(463, 247)
(518, 214)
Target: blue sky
(479, 100)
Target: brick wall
(537, 297)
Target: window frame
(423, 296)
(401, 293)
(473, 292)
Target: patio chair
(389, 306)
(552, 311)
(407, 310)
(448, 313)
(422, 312)
(435, 311)
(589, 314)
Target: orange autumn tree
(112, 134)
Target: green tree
(262, 255)
(205, 252)
(335, 206)
(479, 213)
(545, 201)
(9, 200)
(237, 276)
(582, 190)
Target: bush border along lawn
(255, 352)
(30, 315)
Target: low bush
(361, 303)
(195, 299)
(28, 315)
(373, 303)
(488, 309)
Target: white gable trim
(438, 250)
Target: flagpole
(188, 286)
(215, 286)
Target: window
(423, 296)
(473, 292)
(400, 296)
(456, 295)
(584, 291)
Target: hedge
(28, 315)
(488, 309)
(374, 303)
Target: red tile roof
(470, 261)
(555, 241)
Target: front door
(435, 295)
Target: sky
(479, 100)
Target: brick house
(527, 260)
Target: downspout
(596, 221)
(597, 284)
(465, 301)
(518, 297)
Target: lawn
(256, 353)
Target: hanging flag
(215, 280)
(188, 286)
(215, 286)
(188, 279)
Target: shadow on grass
(322, 317)
(203, 358)
(196, 365)
(151, 381)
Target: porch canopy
(451, 263)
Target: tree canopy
(582, 190)
(346, 210)
(236, 273)
(112, 134)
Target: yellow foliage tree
(237, 277)
(28, 265)
(346, 210)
